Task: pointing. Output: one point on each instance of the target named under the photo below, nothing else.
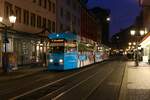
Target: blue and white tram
(65, 53)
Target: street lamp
(129, 43)
(108, 19)
(134, 43)
(12, 20)
(132, 32)
(137, 34)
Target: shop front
(145, 44)
(22, 50)
(28, 51)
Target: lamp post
(12, 20)
(137, 34)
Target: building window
(33, 20)
(49, 25)
(49, 5)
(45, 3)
(39, 21)
(44, 23)
(61, 12)
(74, 5)
(74, 20)
(18, 14)
(53, 27)
(68, 16)
(7, 9)
(68, 28)
(68, 2)
(40, 2)
(26, 17)
(54, 8)
(61, 27)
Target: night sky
(123, 12)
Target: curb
(123, 89)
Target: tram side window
(70, 49)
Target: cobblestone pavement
(138, 81)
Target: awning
(145, 41)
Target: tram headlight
(61, 61)
(51, 60)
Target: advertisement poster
(13, 61)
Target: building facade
(33, 16)
(90, 28)
(68, 16)
(145, 44)
(101, 16)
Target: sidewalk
(20, 72)
(136, 82)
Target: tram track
(73, 87)
(87, 79)
(52, 83)
(62, 87)
(85, 88)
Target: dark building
(121, 39)
(84, 1)
(89, 27)
(101, 16)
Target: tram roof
(66, 36)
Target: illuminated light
(57, 35)
(51, 60)
(133, 47)
(145, 59)
(139, 48)
(142, 32)
(1, 19)
(41, 44)
(37, 48)
(107, 49)
(87, 45)
(61, 61)
(101, 50)
(12, 19)
(108, 19)
(121, 49)
(129, 43)
(132, 32)
(117, 37)
(126, 49)
(41, 48)
(146, 31)
(125, 53)
(129, 47)
(134, 43)
(58, 40)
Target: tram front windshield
(57, 49)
